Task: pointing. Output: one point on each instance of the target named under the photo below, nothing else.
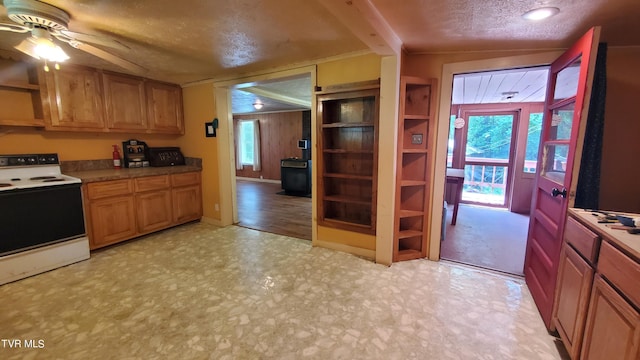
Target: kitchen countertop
(88, 176)
(630, 243)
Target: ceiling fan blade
(95, 39)
(14, 28)
(125, 64)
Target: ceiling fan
(46, 22)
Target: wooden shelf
(346, 125)
(343, 151)
(348, 176)
(19, 85)
(408, 254)
(416, 117)
(409, 233)
(413, 183)
(347, 199)
(410, 213)
(415, 151)
(413, 175)
(347, 168)
(20, 101)
(28, 122)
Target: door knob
(555, 192)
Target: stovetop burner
(4, 185)
(42, 178)
(52, 180)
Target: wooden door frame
(442, 132)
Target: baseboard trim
(365, 253)
(211, 221)
(259, 180)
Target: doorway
(270, 119)
(493, 136)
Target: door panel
(561, 133)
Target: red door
(566, 107)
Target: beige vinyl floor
(203, 292)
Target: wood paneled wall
(279, 135)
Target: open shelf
(346, 125)
(20, 99)
(413, 175)
(347, 166)
(19, 85)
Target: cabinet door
(613, 326)
(154, 210)
(574, 287)
(164, 108)
(125, 102)
(74, 96)
(112, 220)
(187, 204)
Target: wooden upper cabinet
(164, 108)
(74, 95)
(125, 102)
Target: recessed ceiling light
(541, 13)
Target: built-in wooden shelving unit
(348, 156)
(413, 173)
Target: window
(248, 144)
(533, 142)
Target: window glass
(533, 143)
(246, 142)
(567, 82)
(554, 162)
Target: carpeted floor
(490, 238)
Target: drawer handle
(555, 192)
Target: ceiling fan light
(28, 46)
(46, 49)
(541, 13)
(42, 49)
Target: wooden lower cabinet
(575, 276)
(111, 220)
(186, 204)
(122, 209)
(613, 326)
(153, 210)
(597, 304)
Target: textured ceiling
(191, 40)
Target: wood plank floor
(261, 208)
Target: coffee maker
(135, 154)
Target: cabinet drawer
(621, 271)
(191, 178)
(152, 183)
(104, 189)
(585, 241)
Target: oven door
(39, 216)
